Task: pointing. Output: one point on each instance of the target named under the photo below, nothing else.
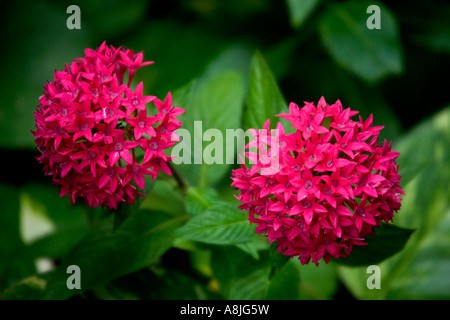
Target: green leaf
(423, 148)
(104, 255)
(423, 270)
(14, 266)
(164, 197)
(249, 248)
(57, 244)
(236, 58)
(300, 10)
(42, 226)
(243, 278)
(254, 246)
(225, 263)
(371, 54)
(426, 276)
(221, 224)
(285, 285)
(9, 220)
(252, 286)
(50, 225)
(161, 41)
(277, 260)
(281, 56)
(387, 241)
(124, 211)
(264, 99)
(216, 107)
(182, 96)
(30, 288)
(199, 200)
(60, 211)
(318, 283)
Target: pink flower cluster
(92, 129)
(332, 186)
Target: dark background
(183, 37)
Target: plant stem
(181, 183)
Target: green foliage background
(231, 64)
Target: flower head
(91, 127)
(334, 183)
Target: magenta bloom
(142, 124)
(90, 125)
(135, 99)
(330, 182)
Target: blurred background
(314, 48)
